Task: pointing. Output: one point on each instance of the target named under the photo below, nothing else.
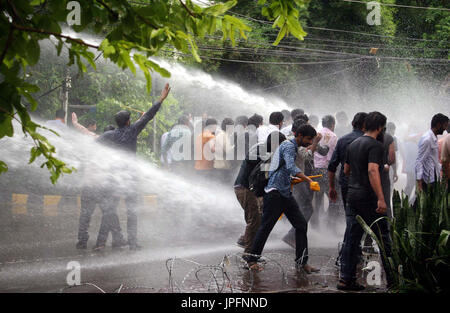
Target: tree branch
(114, 14)
(41, 31)
(8, 43)
(187, 9)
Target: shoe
(119, 244)
(135, 247)
(307, 268)
(81, 245)
(254, 266)
(241, 243)
(98, 248)
(351, 286)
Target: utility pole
(65, 93)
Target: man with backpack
(278, 199)
(247, 198)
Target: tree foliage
(133, 31)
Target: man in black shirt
(364, 163)
(338, 159)
(124, 137)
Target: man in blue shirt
(124, 138)
(278, 199)
(338, 158)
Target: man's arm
(375, 182)
(332, 188)
(289, 157)
(445, 158)
(424, 151)
(347, 169)
(142, 122)
(392, 159)
(80, 127)
(315, 145)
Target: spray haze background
(405, 101)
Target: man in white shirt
(428, 167)
(287, 129)
(275, 123)
(59, 123)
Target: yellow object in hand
(314, 186)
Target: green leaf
(281, 35)
(3, 167)
(33, 51)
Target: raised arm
(80, 127)
(140, 124)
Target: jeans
(354, 235)
(386, 186)
(252, 215)
(333, 212)
(274, 205)
(110, 220)
(89, 199)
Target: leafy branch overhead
(133, 31)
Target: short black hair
(183, 120)
(226, 121)
(276, 118)
(122, 118)
(210, 121)
(328, 121)
(271, 146)
(341, 115)
(299, 121)
(242, 120)
(305, 130)
(314, 118)
(438, 119)
(390, 126)
(91, 122)
(374, 121)
(286, 114)
(358, 120)
(255, 120)
(60, 114)
(296, 112)
(108, 128)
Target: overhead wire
(400, 5)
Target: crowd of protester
(354, 165)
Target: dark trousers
(273, 206)
(354, 235)
(334, 208)
(110, 220)
(348, 220)
(90, 197)
(252, 214)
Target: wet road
(35, 251)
